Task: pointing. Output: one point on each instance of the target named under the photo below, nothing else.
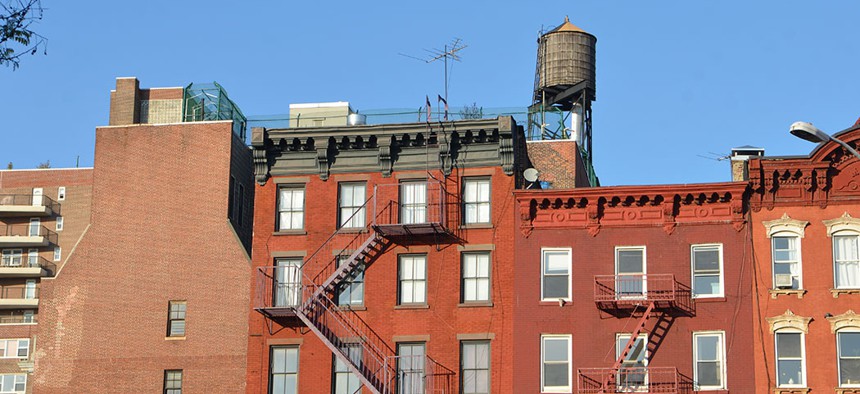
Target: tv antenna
(448, 51)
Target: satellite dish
(531, 174)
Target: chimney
(740, 161)
(125, 102)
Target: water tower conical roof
(567, 26)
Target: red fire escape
(642, 297)
(287, 293)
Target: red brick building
(43, 214)
(383, 256)
(633, 289)
(805, 232)
(153, 295)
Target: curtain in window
(288, 283)
(847, 261)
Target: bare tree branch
(16, 36)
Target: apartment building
(805, 225)
(383, 258)
(633, 289)
(153, 296)
(43, 214)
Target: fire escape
(286, 293)
(640, 297)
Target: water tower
(564, 88)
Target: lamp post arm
(844, 145)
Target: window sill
(777, 292)
(475, 305)
(790, 390)
(557, 303)
(352, 230)
(353, 307)
(848, 390)
(706, 300)
(290, 232)
(182, 338)
(476, 225)
(712, 391)
(412, 306)
(836, 293)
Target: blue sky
(675, 79)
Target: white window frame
(58, 253)
(414, 279)
(18, 379)
(61, 193)
(476, 202)
(721, 274)
(293, 209)
(272, 373)
(802, 357)
(414, 207)
(35, 224)
(625, 337)
(621, 294)
(30, 289)
(59, 223)
(543, 274)
(798, 238)
(13, 258)
(834, 236)
(340, 369)
(16, 347)
(556, 389)
(357, 214)
(839, 356)
(721, 353)
(348, 292)
(478, 345)
(477, 281)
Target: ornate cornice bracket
(260, 156)
(506, 155)
(322, 162)
(386, 162)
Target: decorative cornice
(845, 320)
(842, 223)
(785, 223)
(789, 320)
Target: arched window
(789, 336)
(845, 232)
(847, 329)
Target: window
(291, 208)
(240, 204)
(29, 316)
(288, 283)
(709, 366)
(475, 367)
(176, 319)
(633, 375)
(284, 370)
(30, 289)
(707, 270)
(413, 202)
(555, 274)
(630, 269)
(555, 364)
(14, 348)
(410, 368)
(231, 198)
(61, 193)
(476, 277)
(351, 290)
(173, 381)
(351, 204)
(13, 383)
(33, 257)
(790, 364)
(476, 197)
(848, 344)
(413, 279)
(786, 262)
(35, 227)
(59, 223)
(12, 257)
(846, 261)
(58, 253)
(346, 382)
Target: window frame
(799, 259)
(400, 279)
(292, 188)
(15, 382)
(58, 253)
(477, 278)
(356, 211)
(543, 274)
(354, 351)
(349, 282)
(59, 224)
(489, 368)
(776, 357)
(721, 353)
(17, 348)
(423, 372)
(10, 256)
(720, 274)
(852, 330)
(834, 236)
(168, 380)
(171, 319)
(61, 193)
(556, 389)
(271, 371)
(478, 203)
(413, 206)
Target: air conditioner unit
(782, 281)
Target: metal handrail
(27, 200)
(25, 261)
(18, 293)
(340, 230)
(628, 379)
(25, 230)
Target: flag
(427, 98)
(446, 105)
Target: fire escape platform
(647, 380)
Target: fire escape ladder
(627, 348)
(372, 247)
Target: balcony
(277, 296)
(625, 292)
(413, 212)
(18, 266)
(26, 235)
(27, 205)
(648, 380)
(19, 297)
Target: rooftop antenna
(448, 51)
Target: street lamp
(807, 131)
